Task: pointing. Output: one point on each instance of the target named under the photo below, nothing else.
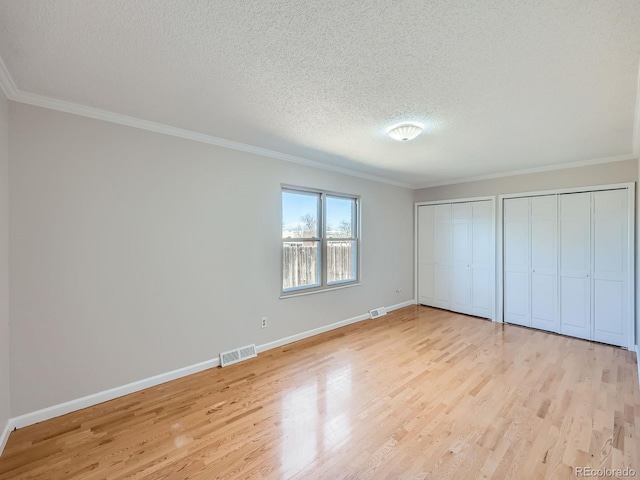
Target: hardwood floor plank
(419, 393)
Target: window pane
(300, 265)
(300, 214)
(341, 217)
(342, 261)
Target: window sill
(321, 290)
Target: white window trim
(324, 285)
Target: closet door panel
(461, 258)
(442, 252)
(609, 312)
(442, 234)
(425, 233)
(442, 255)
(610, 248)
(516, 245)
(609, 239)
(461, 249)
(517, 298)
(426, 293)
(575, 233)
(442, 283)
(481, 219)
(544, 268)
(575, 264)
(461, 289)
(482, 281)
(544, 291)
(575, 307)
(427, 286)
(516, 261)
(543, 234)
(482, 287)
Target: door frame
(631, 201)
(492, 199)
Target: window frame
(323, 239)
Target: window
(320, 240)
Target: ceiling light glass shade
(405, 131)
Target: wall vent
(378, 312)
(237, 355)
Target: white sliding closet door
(461, 258)
(442, 255)
(482, 279)
(426, 291)
(516, 261)
(456, 257)
(544, 266)
(610, 263)
(567, 261)
(575, 264)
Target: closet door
(426, 294)
(610, 224)
(575, 264)
(544, 266)
(461, 257)
(442, 255)
(482, 281)
(516, 261)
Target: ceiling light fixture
(405, 131)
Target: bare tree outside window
(324, 256)
(345, 228)
(308, 227)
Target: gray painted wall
(4, 262)
(134, 253)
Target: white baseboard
(402, 305)
(100, 397)
(325, 328)
(4, 436)
(310, 333)
(96, 398)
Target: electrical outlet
(263, 322)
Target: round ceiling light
(405, 131)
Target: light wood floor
(420, 393)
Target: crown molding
(526, 171)
(13, 93)
(16, 95)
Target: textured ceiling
(501, 85)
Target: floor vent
(237, 355)
(378, 312)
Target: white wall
(4, 263)
(134, 253)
